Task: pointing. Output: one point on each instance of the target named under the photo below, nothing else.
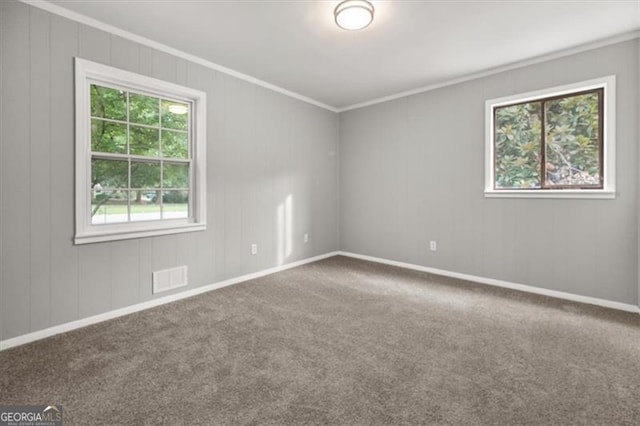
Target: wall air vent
(168, 279)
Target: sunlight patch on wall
(285, 229)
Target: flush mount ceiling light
(353, 14)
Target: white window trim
(609, 143)
(88, 71)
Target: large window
(140, 151)
(552, 143)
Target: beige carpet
(342, 341)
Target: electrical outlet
(433, 246)
(254, 249)
(306, 238)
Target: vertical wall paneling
(235, 94)
(64, 255)
(247, 161)
(164, 66)
(125, 54)
(16, 229)
(164, 252)
(215, 256)
(255, 227)
(251, 170)
(125, 273)
(145, 62)
(94, 45)
(95, 263)
(202, 243)
(94, 279)
(282, 191)
(3, 288)
(267, 210)
(301, 183)
(324, 187)
(300, 180)
(614, 248)
(181, 71)
(40, 171)
(584, 247)
(420, 180)
(146, 268)
(187, 254)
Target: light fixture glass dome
(178, 109)
(353, 14)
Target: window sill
(566, 194)
(119, 232)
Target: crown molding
(512, 66)
(83, 19)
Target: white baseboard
(505, 284)
(62, 328)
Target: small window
(553, 143)
(140, 155)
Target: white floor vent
(168, 279)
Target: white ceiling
(297, 46)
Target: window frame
(607, 151)
(87, 73)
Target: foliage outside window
(140, 155)
(552, 144)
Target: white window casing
(609, 161)
(87, 73)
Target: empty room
(319, 212)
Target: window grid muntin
(543, 187)
(160, 159)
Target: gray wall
(262, 147)
(412, 170)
